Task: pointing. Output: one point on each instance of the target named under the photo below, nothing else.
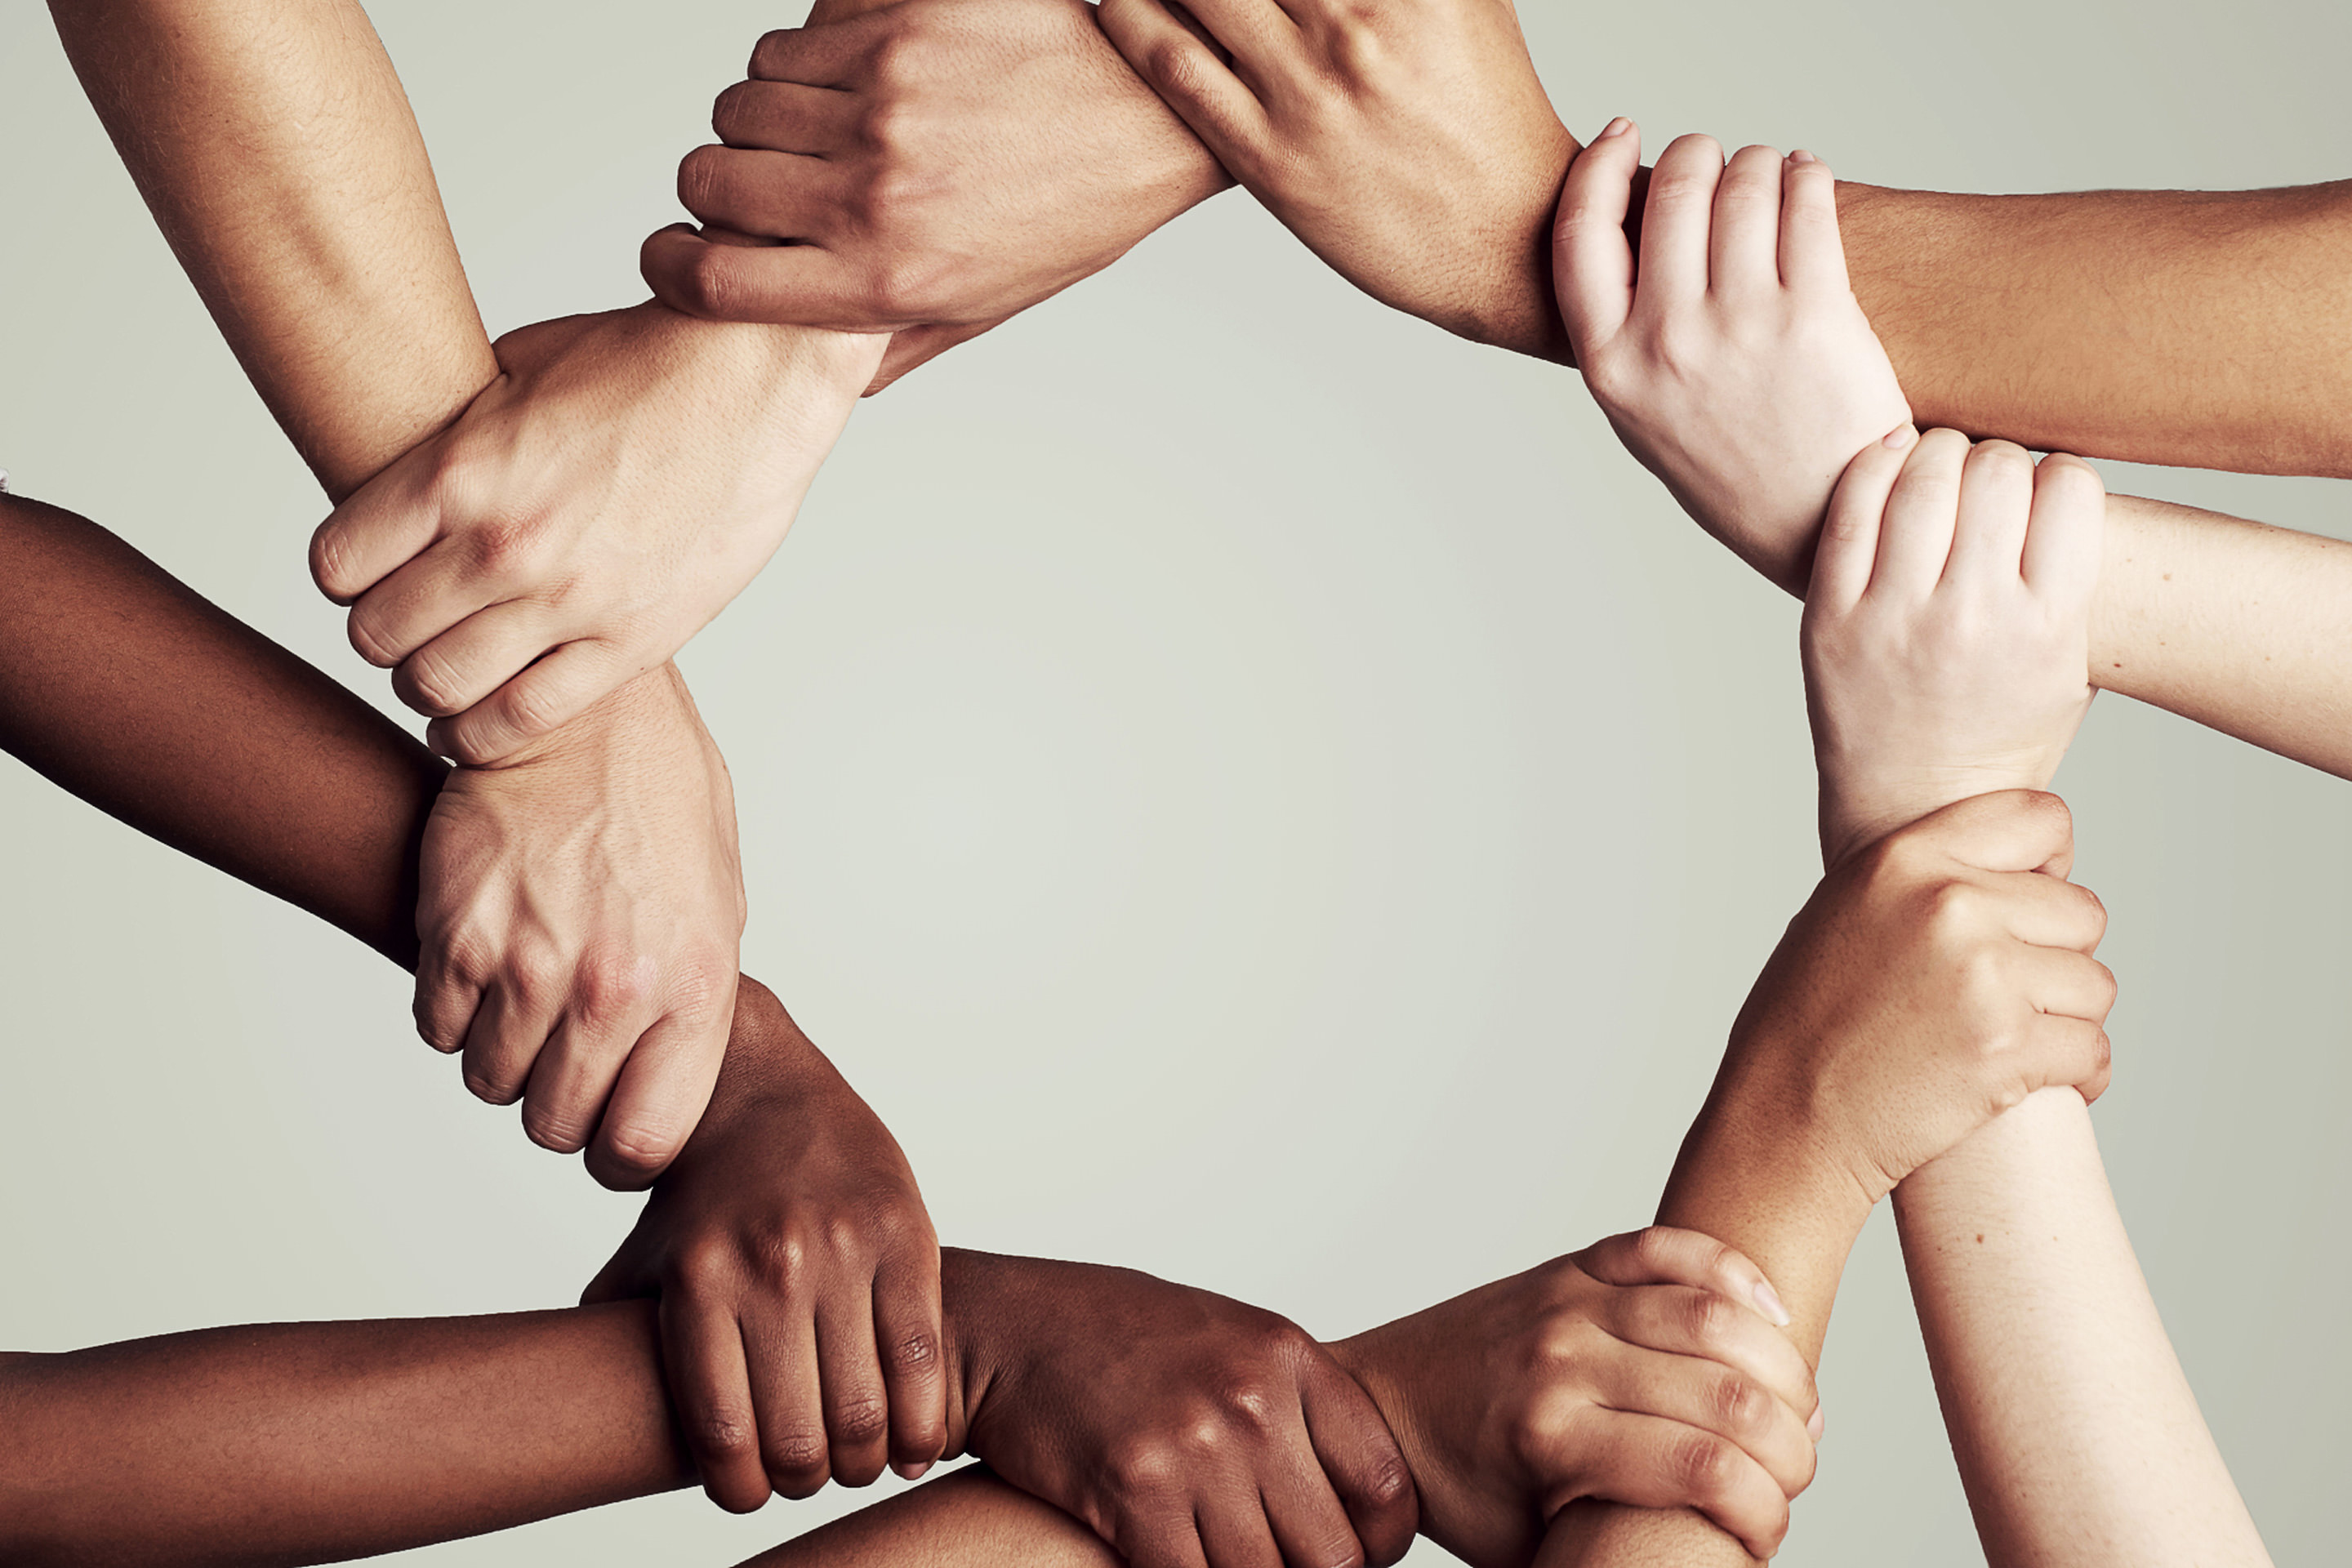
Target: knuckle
(911, 1353)
(782, 1254)
(1142, 1464)
(611, 981)
(721, 1432)
(1701, 1465)
(330, 564)
(861, 1418)
(1743, 1406)
(641, 1148)
(702, 179)
(1711, 1320)
(562, 1129)
(794, 1459)
(433, 686)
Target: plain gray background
(1249, 786)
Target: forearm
(968, 1518)
(1798, 1228)
(125, 688)
(2077, 1437)
(2207, 330)
(275, 146)
(2233, 624)
(302, 1442)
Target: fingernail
(1902, 436)
(1801, 156)
(914, 1472)
(1617, 127)
(1769, 1301)
(1816, 1426)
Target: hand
(1181, 1426)
(619, 483)
(579, 915)
(799, 1279)
(1645, 1370)
(936, 166)
(1407, 142)
(1934, 980)
(1737, 365)
(1947, 634)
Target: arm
(595, 488)
(1410, 145)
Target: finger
(779, 1355)
(613, 1004)
(788, 285)
(1685, 1320)
(919, 346)
(1709, 1397)
(784, 117)
(659, 1095)
(849, 1368)
(1169, 1541)
(1674, 227)
(1647, 1461)
(2008, 830)
(507, 1034)
(379, 529)
(907, 1331)
(2049, 912)
(1309, 1527)
(836, 54)
(446, 999)
(1189, 75)
(551, 693)
(1235, 1532)
(448, 582)
(1989, 524)
(2065, 539)
(1592, 262)
(1362, 1463)
(1264, 43)
(2065, 984)
(1667, 1254)
(1914, 539)
(703, 1363)
(2066, 1052)
(474, 658)
(1744, 240)
(1812, 257)
(768, 195)
(1847, 552)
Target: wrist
(771, 367)
(1792, 1157)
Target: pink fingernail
(1769, 1301)
(1902, 436)
(1801, 156)
(1617, 127)
(1816, 1426)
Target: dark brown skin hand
(1647, 1369)
(799, 1279)
(1185, 1427)
(928, 169)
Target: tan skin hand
(1934, 980)
(799, 1279)
(1646, 1369)
(589, 511)
(929, 169)
(1407, 142)
(578, 918)
(1947, 631)
(1733, 362)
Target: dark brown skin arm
(124, 687)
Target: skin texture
(1409, 141)
(272, 142)
(790, 1249)
(600, 500)
(1947, 628)
(899, 217)
(522, 859)
(1740, 372)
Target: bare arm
(1409, 144)
(273, 144)
(2232, 624)
(2078, 1438)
